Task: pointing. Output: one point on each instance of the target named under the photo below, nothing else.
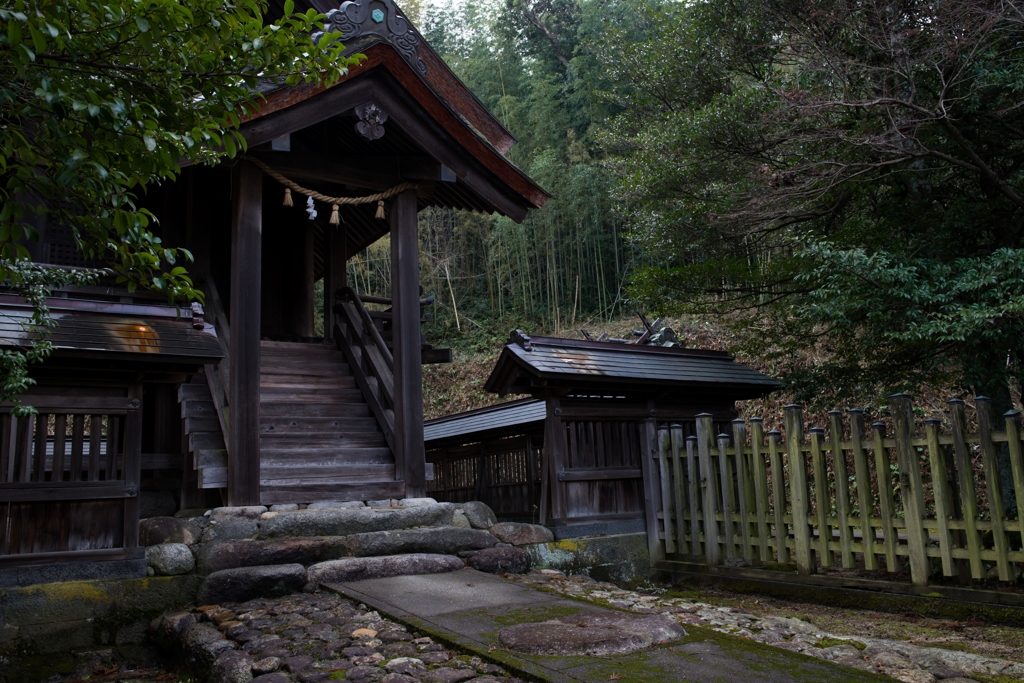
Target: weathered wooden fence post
(865, 501)
(664, 447)
(1013, 442)
(882, 470)
(911, 487)
(679, 485)
(835, 437)
(692, 470)
(778, 496)
(760, 487)
(799, 494)
(727, 482)
(943, 496)
(745, 488)
(996, 509)
(965, 475)
(822, 500)
(709, 482)
(649, 457)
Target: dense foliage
(99, 100)
(835, 174)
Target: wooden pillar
(410, 458)
(302, 281)
(246, 237)
(554, 456)
(335, 265)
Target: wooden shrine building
(239, 399)
(573, 453)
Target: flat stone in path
(470, 609)
(591, 634)
(359, 568)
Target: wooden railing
(849, 495)
(218, 376)
(69, 479)
(369, 358)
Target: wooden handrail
(353, 296)
(371, 362)
(218, 377)
(384, 300)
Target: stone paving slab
(468, 608)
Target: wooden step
(304, 355)
(273, 395)
(321, 441)
(316, 425)
(213, 477)
(202, 423)
(325, 371)
(196, 408)
(205, 441)
(291, 382)
(335, 472)
(302, 456)
(307, 493)
(304, 410)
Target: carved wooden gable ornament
(357, 18)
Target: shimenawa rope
(333, 201)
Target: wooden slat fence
(506, 476)
(69, 479)
(849, 494)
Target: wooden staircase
(318, 438)
(203, 430)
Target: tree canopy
(841, 175)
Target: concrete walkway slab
(468, 608)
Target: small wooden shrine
(238, 401)
(573, 453)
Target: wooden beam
(246, 238)
(378, 172)
(410, 455)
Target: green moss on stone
(828, 641)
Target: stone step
(345, 522)
(219, 555)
